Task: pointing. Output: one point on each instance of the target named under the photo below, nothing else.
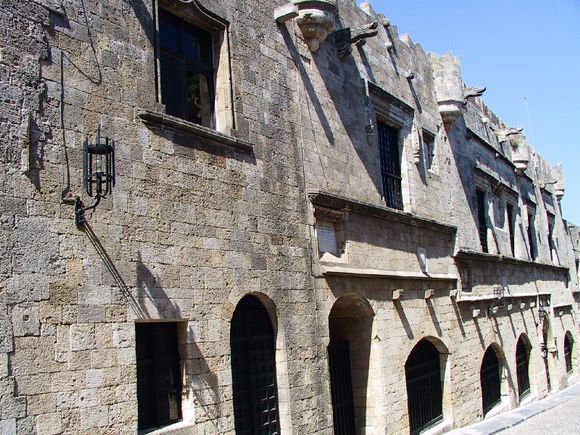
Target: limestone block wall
(192, 226)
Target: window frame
(391, 173)
(222, 103)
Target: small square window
(428, 149)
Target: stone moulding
(162, 120)
(390, 274)
(316, 20)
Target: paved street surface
(557, 414)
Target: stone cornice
(337, 202)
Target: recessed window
(568, 346)
(428, 149)
(186, 69)
(551, 244)
(481, 218)
(511, 226)
(390, 165)
(158, 374)
(531, 235)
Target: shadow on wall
(200, 383)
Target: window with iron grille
(522, 368)
(481, 218)
(253, 356)
(490, 380)
(186, 69)
(424, 387)
(390, 165)
(158, 374)
(568, 346)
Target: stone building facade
(314, 226)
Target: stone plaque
(326, 235)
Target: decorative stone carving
(521, 152)
(316, 20)
(449, 86)
(472, 92)
(344, 38)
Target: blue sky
(520, 50)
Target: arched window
(489, 375)
(424, 386)
(522, 367)
(568, 346)
(254, 369)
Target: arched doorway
(253, 351)
(424, 386)
(490, 378)
(568, 349)
(523, 366)
(350, 327)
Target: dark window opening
(490, 380)
(390, 165)
(424, 387)
(511, 227)
(254, 369)
(522, 368)
(531, 239)
(481, 218)
(187, 72)
(568, 346)
(158, 374)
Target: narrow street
(556, 414)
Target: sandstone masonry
(307, 208)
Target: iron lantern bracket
(80, 209)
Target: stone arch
(427, 378)
(523, 357)
(351, 364)
(491, 375)
(254, 341)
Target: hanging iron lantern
(98, 173)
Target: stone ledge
(333, 201)
(490, 297)
(162, 120)
(379, 273)
(483, 256)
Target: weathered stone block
(49, 424)
(25, 320)
(94, 417)
(82, 337)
